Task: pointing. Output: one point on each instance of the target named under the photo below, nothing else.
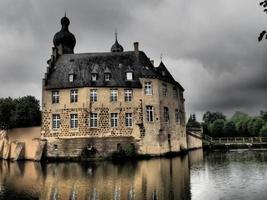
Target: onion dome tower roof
(116, 47)
(64, 37)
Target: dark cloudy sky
(210, 46)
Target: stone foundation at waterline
(21, 143)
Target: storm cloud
(210, 46)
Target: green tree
(216, 128)
(210, 117)
(254, 126)
(27, 112)
(229, 129)
(263, 115)
(263, 131)
(7, 109)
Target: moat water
(240, 174)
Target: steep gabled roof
(83, 65)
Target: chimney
(136, 47)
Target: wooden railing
(234, 140)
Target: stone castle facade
(108, 101)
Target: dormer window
(71, 78)
(94, 77)
(129, 76)
(107, 76)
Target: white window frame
(164, 89)
(94, 77)
(71, 78)
(93, 120)
(166, 114)
(113, 95)
(55, 96)
(74, 96)
(107, 76)
(129, 76)
(128, 95)
(114, 119)
(73, 121)
(93, 95)
(148, 88)
(150, 113)
(129, 120)
(55, 121)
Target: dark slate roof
(82, 66)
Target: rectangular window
(128, 95)
(176, 115)
(175, 92)
(150, 113)
(93, 77)
(71, 78)
(148, 88)
(166, 114)
(128, 120)
(114, 119)
(164, 89)
(55, 121)
(93, 95)
(55, 96)
(113, 95)
(129, 76)
(107, 76)
(73, 120)
(93, 120)
(74, 96)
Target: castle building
(103, 102)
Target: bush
(263, 131)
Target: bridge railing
(243, 140)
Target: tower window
(74, 96)
(93, 95)
(93, 120)
(107, 76)
(74, 121)
(55, 121)
(148, 88)
(128, 120)
(129, 76)
(176, 115)
(150, 113)
(94, 77)
(55, 96)
(166, 114)
(113, 95)
(114, 120)
(128, 95)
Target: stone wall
(86, 147)
(194, 139)
(21, 143)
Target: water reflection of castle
(152, 179)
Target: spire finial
(161, 55)
(65, 13)
(116, 34)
